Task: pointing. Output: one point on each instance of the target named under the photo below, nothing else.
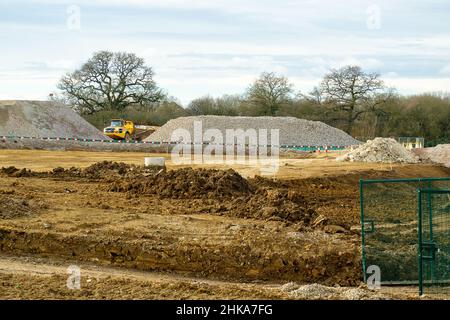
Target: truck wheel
(127, 136)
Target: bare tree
(205, 105)
(110, 81)
(269, 92)
(226, 105)
(314, 96)
(350, 93)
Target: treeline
(426, 115)
(120, 85)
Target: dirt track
(79, 220)
(38, 278)
(292, 166)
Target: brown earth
(308, 165)
(228, 193)
(187, 183)
(238, 232)
(14, 206)
(39, 278)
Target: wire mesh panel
(389, 226)
(434, 242)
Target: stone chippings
(385, 150)
(317, 291)
(292, 131)
(44, 119)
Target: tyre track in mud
(32, 277)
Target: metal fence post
(363, 241)
(419, 236)
(430, 221)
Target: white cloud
(390, 74)
(26, 88)
(219, 46)
(419, 85)
(368, 63)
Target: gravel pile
(43, 119)
(439, 154)
(314, 291)
(385, 150)
(293, 131)
(317, 291)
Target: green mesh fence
(389, 225)
(434, 242)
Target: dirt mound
(385, 150)
(217, 191)
(188, 183)
(98, 169)
(15, 172)
(44, 119)
(224, 192)
(278, 204)
(15, 206)
(105, 170)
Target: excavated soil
(15, 206)
(187, 183)
(221, 192)
(233, 229)
(37, 278)
(229, 194)
(105, 170)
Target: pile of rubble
(385, 150)
(439, 154)
(320, 292)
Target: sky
(216, 47)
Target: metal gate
(389, 226)
(434, 242)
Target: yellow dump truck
(121, 129)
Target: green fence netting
(389, 226)
(434, 242)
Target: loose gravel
(317, 291)
(385, 150)
(44, 119)
(292, 131)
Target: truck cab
(120, 129)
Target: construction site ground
(144, 246)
